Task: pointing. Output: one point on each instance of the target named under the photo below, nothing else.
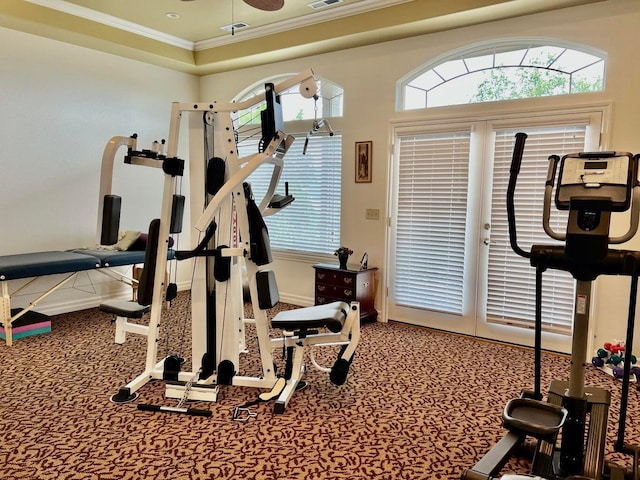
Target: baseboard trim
(296, 300)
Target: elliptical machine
(591, 187)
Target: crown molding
(257, 32)
(300, 22)
(115, 22)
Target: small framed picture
(363, 162)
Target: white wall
(60, 105)
(368, 76)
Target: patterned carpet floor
(418, 404)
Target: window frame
(292, 253)
(476, 49)
(303, 125)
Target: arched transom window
(519, 68)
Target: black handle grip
(516, 161)
(518, 150)
(145, 407)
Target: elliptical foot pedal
(124, 395)
(536, 418)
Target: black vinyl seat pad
(330, 315)
(124, 308)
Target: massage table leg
(6, 312)
(8, 320)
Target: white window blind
(312, 222)
(511, 282)
(431, 219)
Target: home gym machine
(232, 232)
(591, 187)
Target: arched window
(503, 70)
(294, 106)
(311, 224)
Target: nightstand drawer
(335, 278)
(336, 291)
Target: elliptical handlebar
(548, 193)
(516, 161)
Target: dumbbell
(615, 360)
(614, 347)
(618, 372)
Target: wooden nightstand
(333, 284)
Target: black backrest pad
(258, 235)
(267, 287)
(111, 206)
(145, 287)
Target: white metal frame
(229, 302)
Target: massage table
(20, 323)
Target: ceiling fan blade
(267, 5)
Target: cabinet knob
(321, 288)
(320, 276)
(348, 293)
(347, 280)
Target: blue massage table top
(118, 258)
(113, 258)
(27, 265)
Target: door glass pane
(431, 220)
(511, 279)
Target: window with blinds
(430, 221)
(511, 279)
(312, 222)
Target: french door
(451, 265)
